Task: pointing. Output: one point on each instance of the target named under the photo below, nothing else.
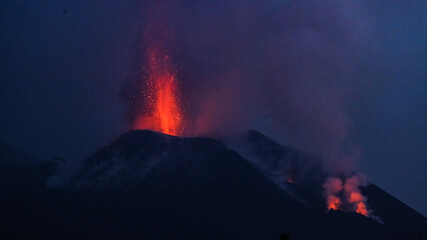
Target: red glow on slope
(334, 203)
(332, 187)
(358, 200)
(162, 97)
(346, 195)
(361, 208)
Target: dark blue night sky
(63, 65)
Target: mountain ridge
(151, 185)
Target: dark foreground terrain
(146, 185)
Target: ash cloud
(286, 68)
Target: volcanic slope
(195, 186)
(301, 175)
(147, 185)
(190, 188)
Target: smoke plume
(286, 68)
(332, 187)
(354, 196)
(346, 195)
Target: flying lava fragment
(162, 97)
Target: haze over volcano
(237, 97)
(214, 69)
(256, 65)
(170, 90)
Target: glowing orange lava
(162, 99)
(334, 202)
(361, 208)
(357, 199)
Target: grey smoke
(285, 68)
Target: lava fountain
(161, 96)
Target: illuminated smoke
(289, 69)
(346, 196)
(354, 196)
(284, 68)
(332, 187)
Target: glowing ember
(162, 100)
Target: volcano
(149, 185)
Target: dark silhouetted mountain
(20, 171)
(13, 156)
(147, 185)
(281, 163)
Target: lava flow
(161, 97)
